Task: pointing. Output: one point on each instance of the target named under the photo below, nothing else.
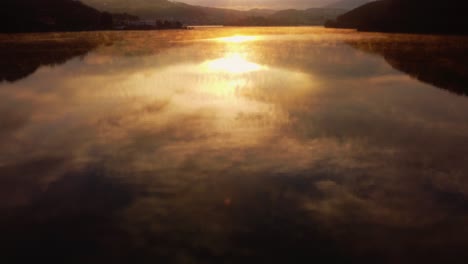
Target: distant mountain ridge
(348, 4)
(410, 16)
(304, 17)
(192, 14)
(84, 15)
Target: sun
(232, 63)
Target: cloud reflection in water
(320, 149)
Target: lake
(233, 145)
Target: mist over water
(233, 145)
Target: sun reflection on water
(234, 63)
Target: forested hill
(51, 15)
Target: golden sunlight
(232, 63)
(237, 39)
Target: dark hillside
(410, 16)
(50, 15)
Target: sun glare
(237, 39)
(232, 63)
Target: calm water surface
(231, 145)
